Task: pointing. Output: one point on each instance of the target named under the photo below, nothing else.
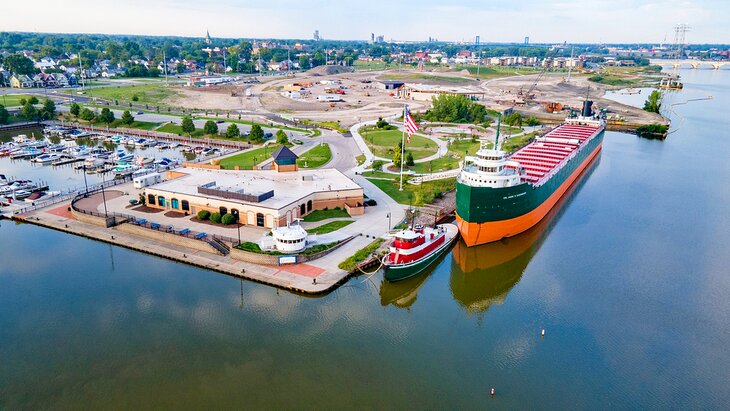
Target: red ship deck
(540, 158)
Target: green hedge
(203, 215)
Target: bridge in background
(693, 64)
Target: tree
(75, 109)
(29, 112)
(232, 131)
(49, 109)
(257, 134)
(22, 101)
(318, 59)
(409, 160)
(33, 100)
(514, 119)
(653, 103)
(106, 116)
(381, 123)
(4, 115)
(127, 118)
(180, 68)
(187, 125)
(455, 109)
(87, 114)
(304, 62)
(281, 137)
(19, 64)
(397, 154)
(210, 127)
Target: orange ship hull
(481, 233)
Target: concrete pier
(317, 277)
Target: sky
(544, 21)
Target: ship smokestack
(587, 108)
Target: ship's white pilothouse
(490, 168)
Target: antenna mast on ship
(496, 139)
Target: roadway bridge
(693, 64)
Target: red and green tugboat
(499, 196)
(414, 249)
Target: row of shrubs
(218, 218)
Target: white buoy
(492, 392)
(542, 334)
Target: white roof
(291, 232)
(289, 187)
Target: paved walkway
(297, 278)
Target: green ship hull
(507, 211)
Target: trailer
(147, 180)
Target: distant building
(207, 37)
(316, 35)
(21, 81)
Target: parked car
(219, 121)
(140, 112)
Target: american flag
(409, 124)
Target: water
(66, 177)
(629, 279)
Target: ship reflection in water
(484, 275)
(403, 294)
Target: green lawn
(331, 125)
(416, 195)
(488, 72)
(142, 125)
(315, 157)
(248, 159)
(330, 227)
(515, 143)
(382, 143)
(177, 129)
(370, 65)
(360, 255)
(319, 215)
(426, 77)
(11, 100)
(146, 93)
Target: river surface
(629, 278)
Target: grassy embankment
(315, 157)
(351, 262)
(452, 159)
(416, 195)
(383, 142)
(319, 215)
(626, 76)
(427, 77)
(487, 73)
(330, 125)
(155, 94)
(248, 159)
(117, 123)
(329, 227)
(13, 100)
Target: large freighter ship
(499, 196)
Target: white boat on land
(40, 196)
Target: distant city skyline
(619, 21)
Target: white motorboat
(46, 158)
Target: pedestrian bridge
(693, 64)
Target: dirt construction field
(360, 96)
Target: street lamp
(86, 193)
(388, 222)
(103, 195)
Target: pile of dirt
(329, 70)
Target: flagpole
(402, 147)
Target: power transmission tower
(680, 30)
